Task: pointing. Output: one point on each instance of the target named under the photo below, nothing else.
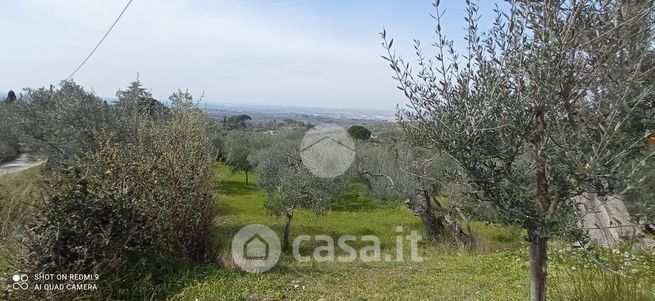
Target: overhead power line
(101, 40)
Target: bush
(170, 164)
(88, 226)
(130, 205)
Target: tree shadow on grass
(355, 199)
(226, 234)
(230, 187)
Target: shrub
(169, 164)
(88, 225)
(130, 205)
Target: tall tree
(139, 100)
(536, 110)
(9, 145)
(11, 96)
(359, 132)
(238, 148)
(237, 120)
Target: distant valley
(270, 113)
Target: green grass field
(445, 273)
(497, 270)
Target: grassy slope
(498, 271)
(443, 275)
(15, 188)
(18, 191)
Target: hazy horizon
(300, 106)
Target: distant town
(262, 114)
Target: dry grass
(18, 193)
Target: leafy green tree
(359, 132)
(11, 96)
(58, 124)
(217, 138)
(133, 106)
(139, 100)
(289, 184)
(237, 121)
(396, 170)
(238, 148)
(537, 109)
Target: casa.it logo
(256, 248)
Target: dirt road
(21, 163)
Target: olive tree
(397, 170)
(134, 104)
(641, 200)
(129, 205)
(57, 123)
(289, 184)
(537, 109)
(138, 99)
(237, 150)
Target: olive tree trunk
(538, 242)
(538, 267)
(287, 228)
(422, 208)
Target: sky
(310, 53)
